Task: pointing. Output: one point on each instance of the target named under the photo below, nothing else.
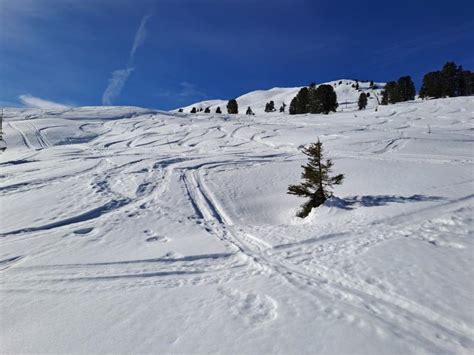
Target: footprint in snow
(83, 231)
(153, 237)
(254, 308)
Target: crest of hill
(346, 91)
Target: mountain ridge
(346, 91)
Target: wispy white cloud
(116, 84)
(190, 90)
(139, 36)
(185, 92)
(120, 76)
(36, 102)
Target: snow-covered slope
(125, 230)
(347, 96)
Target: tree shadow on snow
(350, 203)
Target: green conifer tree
(433, 85)
(450, 79)
(406, 88)
(362, 101)
(270, 106)
(466, 83)
(325, 100)
(232, 107)
(392, 92)
(293, 105)
(313, 101)
(302, 102)
(317, 182)
(384, 100)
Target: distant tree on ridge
(362, 103)
(270, 106)
(232, 107)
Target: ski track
(361, 295)
(191, 152)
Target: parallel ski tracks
(318, 279)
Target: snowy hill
(128, 230)
(347, 96)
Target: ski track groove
(395, 307)
(307, 270)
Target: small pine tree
(180, 110)
(283, 107)
(207, 110)
(450, 79)
(317, 182)
(232, 107)
(193, 110)
(406, 88)
(270, 106)
(313, 103)
(384, 100)
(218, 110)
(357, 86)
(293, 104)
(467, 83)
(249, 111)
(362, 101)
(323, 100)
(433, 85)
(302, 101)
(392, 92)
(463, 81)
(372, 84)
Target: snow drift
(127, 230)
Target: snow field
(128, 230)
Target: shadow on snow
(350, 203)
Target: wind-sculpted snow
(127, 230)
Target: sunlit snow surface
(125, 230)
(346, 90)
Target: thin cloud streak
(190, 90)
(139, 37)
(36, 102)
(116, 84)
(186, 92)
(120, 76)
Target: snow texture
(128, 230)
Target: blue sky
(170, 53)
